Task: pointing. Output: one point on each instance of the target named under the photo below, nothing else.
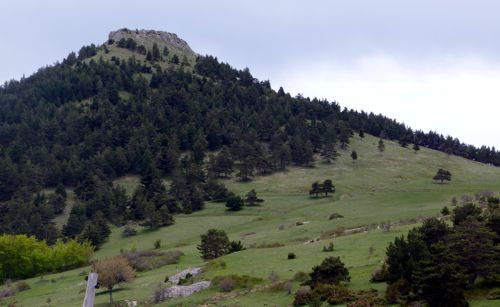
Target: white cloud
(459, 96)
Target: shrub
(379, 275)
(335, 216)
(331, 271)
(270, 245)
(227, 284)
(186, 280)
(234, 203)
(291, 256)
(445, 211)
(240, 281)
(22, 286)
(395, 290)
(328, 248)
(235, 246)
(300, 276)
(281, 286)
(157, 244)
(148, 260)
(9, 291)
(334, 294)
(302, 297)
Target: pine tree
(251, 198)
(156, 53)
(76, 221)
(416, 147)
(381, 146)
(327, 187)
(97, 230)
(175, 59)
(315, 189)
(214, 244)
(329, 153)
(473, 244)
(354, 155)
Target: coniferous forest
(82, 123)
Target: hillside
(378, 188)
(142, 134)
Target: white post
(90, 292)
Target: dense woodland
(83, 122)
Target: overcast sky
(434, 65)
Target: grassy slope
(377, 188)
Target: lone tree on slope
(442, 175)
(113, 271)
(354, 155)
(381, 146)
(214, 244)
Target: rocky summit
(143, 36)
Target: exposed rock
(144, 35)
(178, 291)
(193, 271)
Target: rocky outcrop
(144, 35)
(179, 291)
(193, 271)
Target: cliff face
(146, 36)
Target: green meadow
(393, 187)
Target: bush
(234, 203)
(281, 286)
(334, 294)
(9, 291)
(395, 290)
(238, 281)
(235, 246)
(379, 275)
(186, 280)
(227, 284)
(302, 297)
(331, 271)
(22, 286)
(328, 248)
(291, 256)
(445, 211)
(300, 276)
(157, 244)
(148, 260)
(335, 216)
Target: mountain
(123, 139)
(144, 103)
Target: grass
(395, 187)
